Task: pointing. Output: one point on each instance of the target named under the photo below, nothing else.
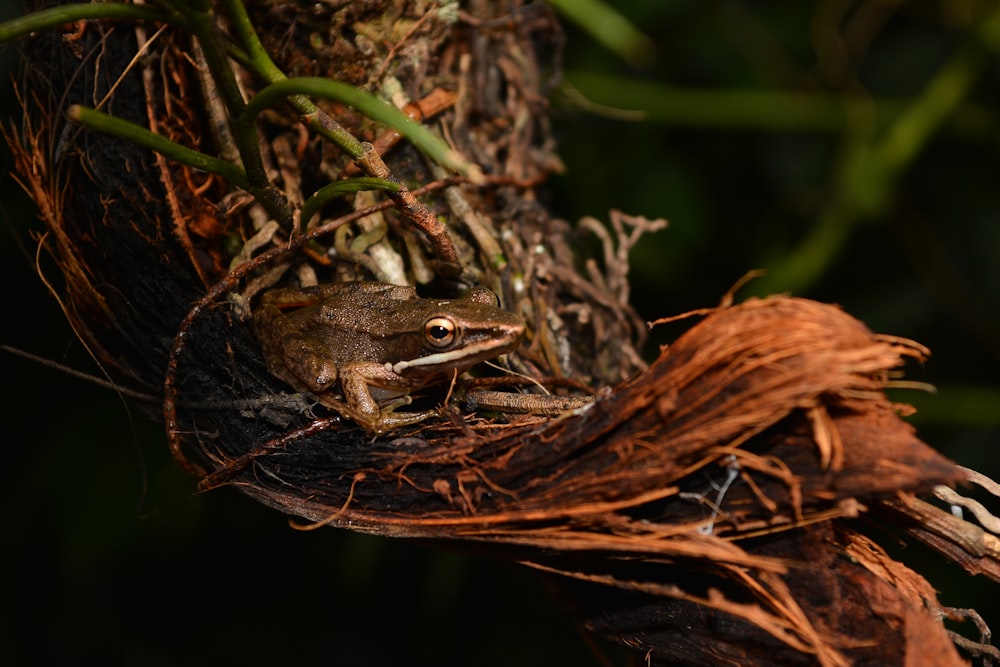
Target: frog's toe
(397, 402)
(392, 420)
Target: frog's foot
(387, 421)
(382, 419)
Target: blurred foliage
(849, 148)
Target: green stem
(775, 110)
(866, 182)
(140, 136)
(368, 104)
(257, 58)
(910, 133)
(609, 27)
(340, 188)
(213, 46)
(295, 90)
(712, 108)
(46, 19)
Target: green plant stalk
(140, 136)
(257, 60)
(203, 26)
(340, 188)
(868, 179)
(911, 132)
(196, 18)
(713, 108)
(749, 109)
(368, 104)
(803, 266)
(47, 19)
(255, 57)
(800, 269)
(610, 28)
(295, 91)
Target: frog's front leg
(356, 379)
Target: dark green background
(110, 555)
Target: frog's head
(459, 333)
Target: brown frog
(377, 343)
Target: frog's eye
(440, 332)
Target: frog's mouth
(490, 345)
